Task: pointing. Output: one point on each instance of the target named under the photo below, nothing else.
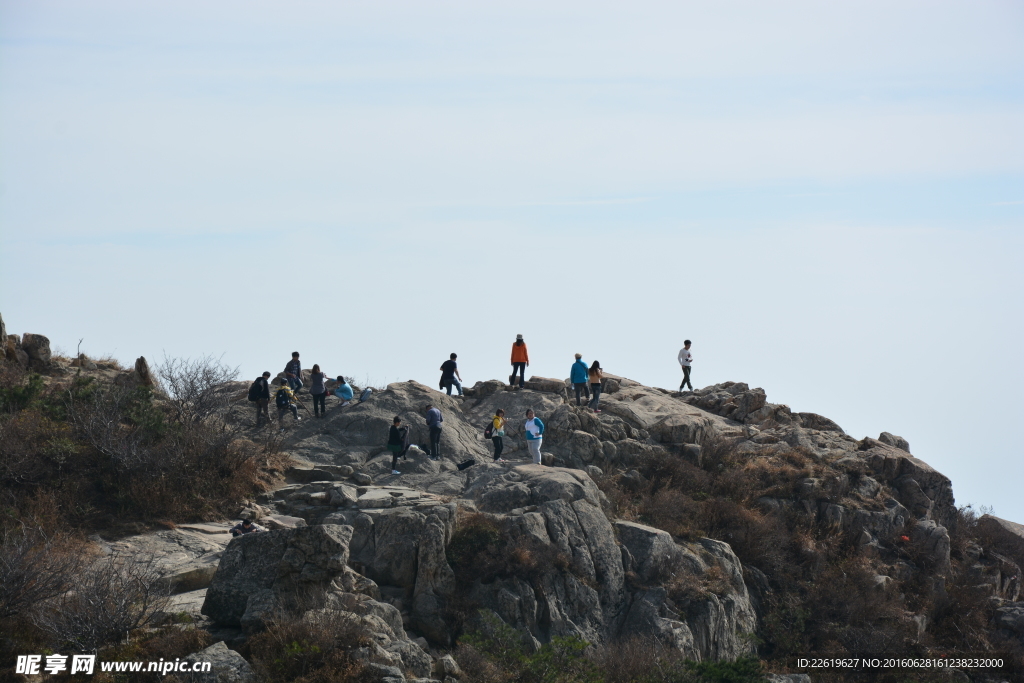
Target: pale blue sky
(828, 198)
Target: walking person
(498, 434)
(397, 437)
(596, 376)
(434, 420)
(343, 391)
(578, 377)
(685, 360)
(318, 390)
(259, 392)
(520, 361)
(450, 375)
(293, 372)
(534, 434)
(285, 400)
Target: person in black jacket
(262, 398)
(397, 442)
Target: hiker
(434, 421)
(343, 391)
(259, 393)
(685, 360)
(596, 376)
(578, 377)
(245, 527)
(450, 375)
(498, 434)
(534, 434)
(520, 361)
(284, 399)
(398, 442)
(318, 390)
(293, 372)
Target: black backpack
(489, 430)
(282, 398)
(255, 390)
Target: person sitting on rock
(284, 399)
(398, 442)
(246, 526)
(343, 391)
(293, 372)
(578, 377)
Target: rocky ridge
(374, 545)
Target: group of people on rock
(285, 396)
(587, 382)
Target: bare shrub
(109, 600)
(34, 567)
(192, 386)
(314, 647)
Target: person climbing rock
(398, 437)
(685, 360)
(596, 376)
(343, 391)
(318, 390)
(259, 393)
(578, 377)
(246, 526)
(520, 361)
(450, 375)
(498, 434)
(534, 434)
(434, 420)
(293, 372)
(285, 400)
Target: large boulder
(226, 666)
(1005, 531)
(185, 558)
(38, 349)
(497, 489)
(262, 572)
(922, 489)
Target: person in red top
(520, 361)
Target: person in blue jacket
(343, 391)
(534, 429)
(579, 379)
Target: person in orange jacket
(520, 361)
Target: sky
(827, 198)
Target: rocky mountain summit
(708, 525)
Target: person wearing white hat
(520, 361)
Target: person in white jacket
(685, 360)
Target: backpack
(281, 399)
(254, 391)
(466, 463)
(489, 430)
(366, 394)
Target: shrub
(498, 653)
(314, 648)
(35, 567)
(110, 599)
